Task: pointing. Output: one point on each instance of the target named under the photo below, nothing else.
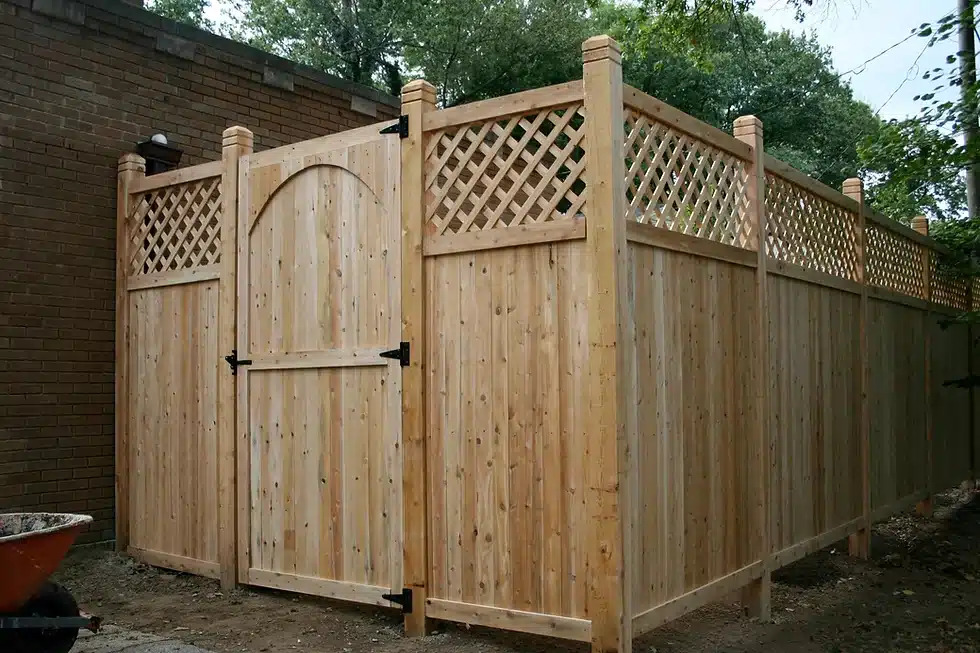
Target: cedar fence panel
(643, 363)
(168, 265)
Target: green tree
(470, 49)
(913, 169)
(737, 67)
(358, 40)
(473, 49)
(184, 11)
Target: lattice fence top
(894, 261)
(176, 227)
(946, 288)
(677, 182)
(527, 169)
(807, 230)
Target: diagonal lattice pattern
(894, 262)
(807, 230)
(521, 170)
(947, 288)
(176, 227)
(677, 182)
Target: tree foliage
(737, 67)
(475, 49)
(184, 11)
(940, 126)
(912, 169)
(358, 40)
(709, 58)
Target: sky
(857, 30)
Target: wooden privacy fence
(567, 362)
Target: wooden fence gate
(622, 402)
(318, 303)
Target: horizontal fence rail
(678, 181)
(687, 177)
(853, 355)
(506, 171)
(176, 227)
(643, 363)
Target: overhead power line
(908, 75)
(854, 70)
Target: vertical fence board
(897, 412)
(815, 415)
(604, 428)
(695, 353)
(505, 449)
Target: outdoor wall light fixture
(159, 154)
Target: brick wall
(81, 83)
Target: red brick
(73, 99)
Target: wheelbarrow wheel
(52, 600)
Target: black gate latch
(233, 360)
(400, 128)
(401, 354)
(404, 599)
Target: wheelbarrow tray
(32, 546)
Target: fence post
(921, 225)
(132, 167)
(607, 453)
(749, 130)
(971, 482)
(418, 97)
(859, 544)
(233, 563)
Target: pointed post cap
(601, 47)
(921, 224)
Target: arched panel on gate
(259, 203)
(319, 301)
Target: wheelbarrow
(37, 615)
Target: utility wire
(908, 75)
(837, 77)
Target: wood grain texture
(896, 356)
(677, 607)
(172, 415)
(236, 143)
(608, 457)
(504, 106)
(130, 169)
(639, 101)
(506, 350)
(695, 512)
(177, 563)
(815, 411)
(319, 279)
(524, 622)
(418, 98)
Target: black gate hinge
(404, 599)
(234, 361)
(402, 354)
(400, 127)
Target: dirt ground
(920, 592)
